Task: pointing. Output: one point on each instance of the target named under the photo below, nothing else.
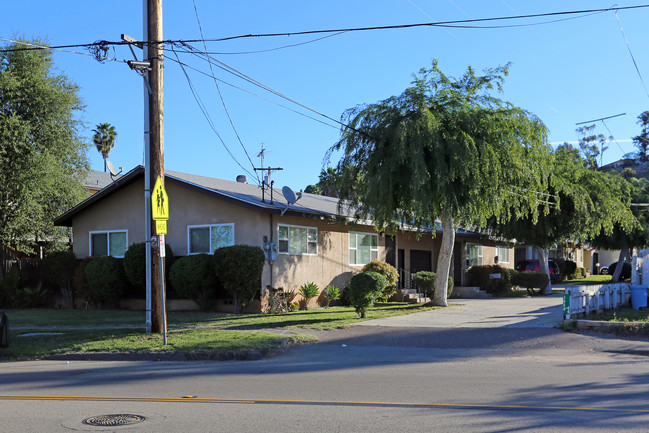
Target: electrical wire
(451, 23)
(185, 65)
(273, 49)
(218, 89)
(631, 54)
(45, 47)
(611, 136)
(201, 105)
(254, 82)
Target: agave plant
(331, 293)
(308, 291)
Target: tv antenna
(265, 181)
(290, 197)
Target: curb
(627, 328)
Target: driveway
(527, 312)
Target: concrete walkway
(527, 312)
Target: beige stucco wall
(124, 210)
(121, 211)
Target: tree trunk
(620, 264)
(544, 255)
(444, 261)
(237, 305)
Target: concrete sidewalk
(527, 312)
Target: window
(108, 243)
(473, 255)
(207, 238)
(297, 240)
(363, 248)
(503, 254)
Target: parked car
(534, 266)
(610, 270)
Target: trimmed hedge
(239, 268)
(531, 280)
(106, 280)
(427, 281)
(389, 272)
(193, 277)
(59, 269)
(364, 289)
(135, 265)
(480, 276)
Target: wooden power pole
(156, 149)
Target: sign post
(160, 213)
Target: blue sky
(565, 72)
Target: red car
(535, 266)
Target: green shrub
(193, 277)
(531, 280)
(15, 294)
(59, 269)
(426, 282)
(135, 265)
(567, 269)
(330, 293)
(10, 287)
(106, 280)
(389, 272)
(239, 268)
(480, 276)
(308, 291)
(364, 289)
(580, 273)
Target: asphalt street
(488, 365)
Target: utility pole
(156, 149)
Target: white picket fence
(583, 300)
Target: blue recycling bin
(638, 296)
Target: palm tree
(104, 139)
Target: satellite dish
(289, 195)
(111, 169)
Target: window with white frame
(297, 239)
(108, 243)
(207, 238)
(502, 253)
(363, 248)
(473, 255)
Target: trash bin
(638, 296)
(4, 329)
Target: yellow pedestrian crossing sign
(159, 202)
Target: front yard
(192, 335)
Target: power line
(631, 54)
(216, 83)
(185, 65)
(201, 105)
(451, 23)
(273, 49)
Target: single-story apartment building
(313, 241)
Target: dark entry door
(420, 261)
(457, 263)
(390, 253)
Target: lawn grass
(197, 335)
(622, 315)
(321, 318)
(593, 279)
(191, 343)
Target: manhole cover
(111, 420)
